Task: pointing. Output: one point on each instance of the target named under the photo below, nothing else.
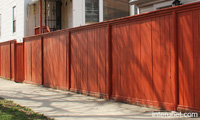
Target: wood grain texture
(55, 60)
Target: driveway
(64, 105)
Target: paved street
(64, 105)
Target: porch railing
(45, 29)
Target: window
(14, 19)
(113, 9)
(91, 11)
(0, 24)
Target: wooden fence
(89, 60)
(11, 59)
(19, 62)
(150, 59)
(143, 62)
(33, 60)
(55, 62)
(7, 59)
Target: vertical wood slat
(176, 66)
(109, 61)
(12, 60)
(69, 60)
(196, 50)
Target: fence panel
(188, 38)
(27, 61)
(19, 62)
(5, 60)
(33, 59)
(142, 61)
(120, 39)
(37, 61)
(55, 52)
(196, 37)
(89, 57)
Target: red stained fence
(19, 62)
(143, 61)
(45, 60)
(33, 60)
(156, 58)
(55, 63)
(89, 60)
(11, 60)
(150, 59)
(189, 59)
(7, 60)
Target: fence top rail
(58, 32)
(10, 41)
(19, 43)
(31, 37)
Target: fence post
(15, 59)
(69, 60)
(176, 79)
(109, 61)
(23, 60)
(10, 62)
(42, 61)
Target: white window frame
(14, 14)
(100, 11)
(83, 12)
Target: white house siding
(6, 11)
(30, 19)
(152, 7)
(26, 14)
(78, 12)
(67, 20)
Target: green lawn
(12, 111)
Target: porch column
(40, 17)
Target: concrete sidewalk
(66, 105)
